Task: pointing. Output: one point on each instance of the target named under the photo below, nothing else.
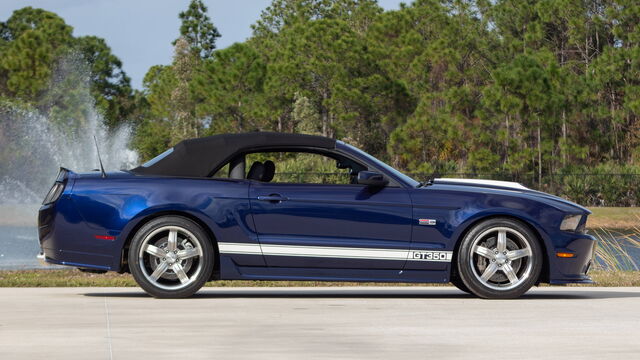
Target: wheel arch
(544, 274)
(124, 266)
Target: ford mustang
(275, 206)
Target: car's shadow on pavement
(259, 293)
(586, 295)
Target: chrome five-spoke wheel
(171, 257)
(499, 258)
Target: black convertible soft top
(199, 157)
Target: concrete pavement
(318, 323)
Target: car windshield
(384, 166)
(157, 158)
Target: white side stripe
(334, 252)
(239, 248)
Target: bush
(605, 185)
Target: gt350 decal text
(432, 255)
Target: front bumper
(573, 270)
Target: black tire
(499, 258)
(170, 276)
(457, 282)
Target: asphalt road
(319, 323)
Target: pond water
(19, 247)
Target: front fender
(524, 217)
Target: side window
(301, 168)
(223, 172)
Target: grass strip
(614, 217)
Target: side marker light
(565, 255)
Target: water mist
(34, 145)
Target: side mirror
(371, 178)
(341, 165)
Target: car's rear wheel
(499, 258)
(171, 257)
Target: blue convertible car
(260, 206)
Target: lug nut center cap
(172, 258)
(501, 259)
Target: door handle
(276, 198)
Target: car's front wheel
(499, 258)
(171, 257)
(458, 283)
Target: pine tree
(35, 40)
(110, 85)
(35, 46)
(184, 123)
(198, 30)
(229, 90)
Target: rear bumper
(82, 260)
(573, 270)
(59, 231)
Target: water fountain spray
(33, 144)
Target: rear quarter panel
(117, 206)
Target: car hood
(510, 189)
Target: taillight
(54, 193)
(58, 187)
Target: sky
(140, 32)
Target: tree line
(525, 90)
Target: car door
(305, 221)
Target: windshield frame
(394, 173)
